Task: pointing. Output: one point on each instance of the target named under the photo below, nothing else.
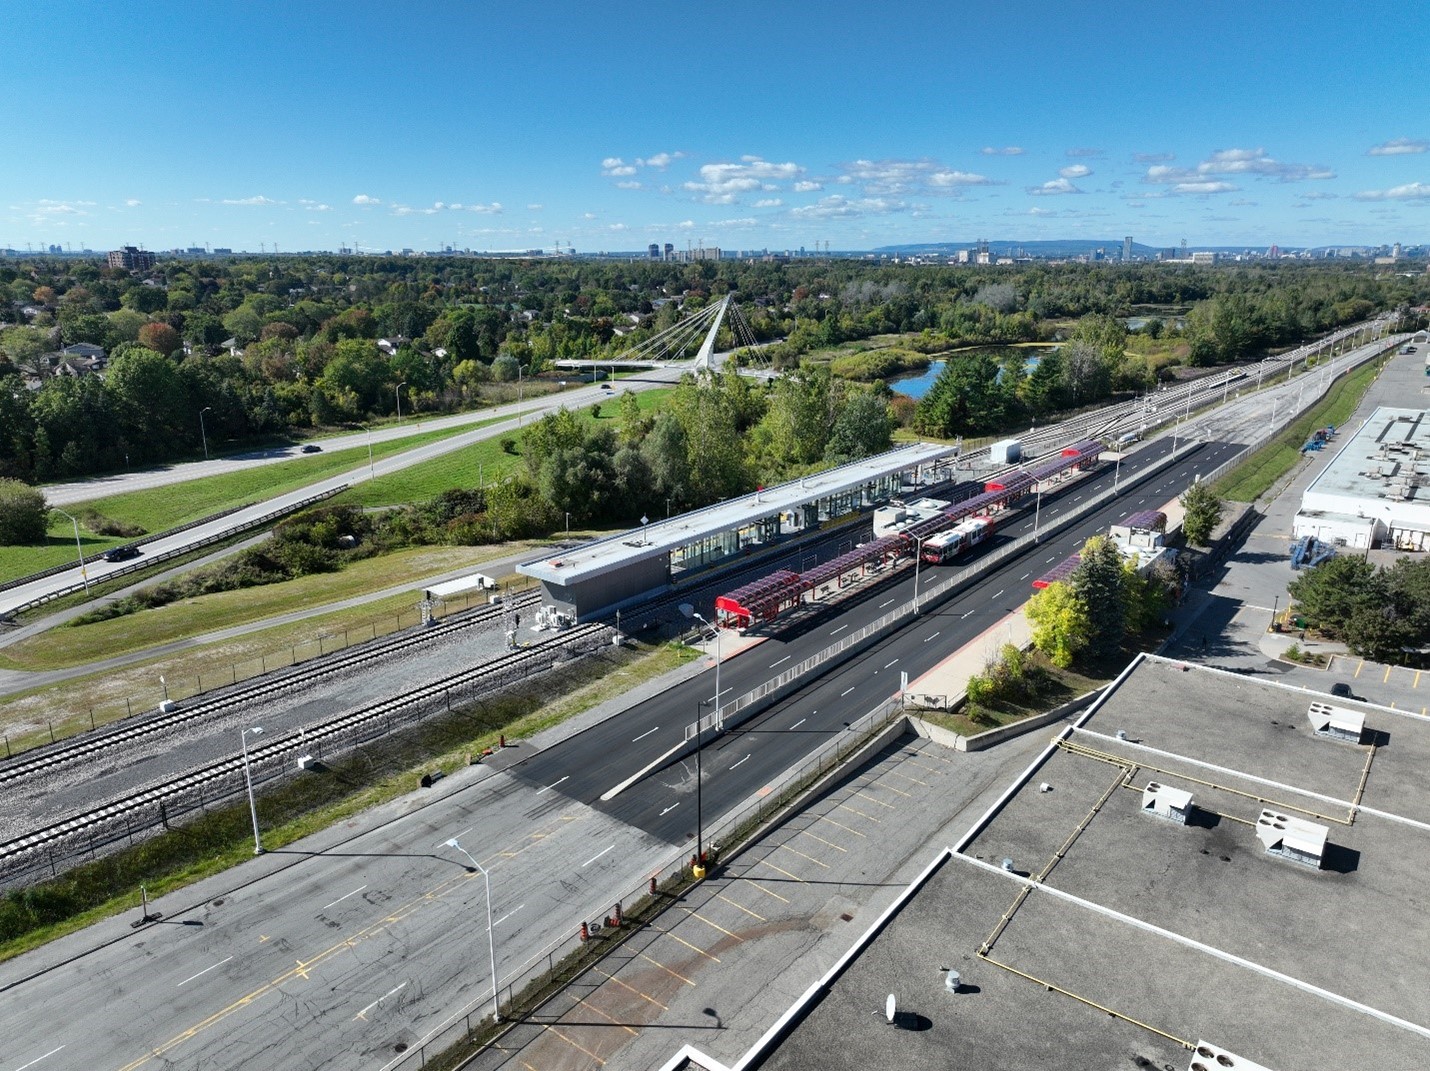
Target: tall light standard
(1038, 503)
(83, 572)
(204, 431)
(256, 730)
(690, 611)
(519, 370)
(372, 472)
(397, 391)
(918, 557)
(491, 937)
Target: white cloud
(837, 206)
(686, 224)
(722, 184)
(1399, 147)
(618, 169)
(617, 227)
(1036, 211)
(364, 199)
(807, 186)
(611, 161)
(1411, 191)
(133, 203)
(1007, 150)
(629, 184)
(534, 208)
(1053, 188)
(1153, 157)
(1073, 171)
(958, 178)
(493, 209)
(1233, 162)
(259, 200)
(1084, 153)
(1205, 186)
(315, 206)
(731, 224)
(661, 160)
(769, 202)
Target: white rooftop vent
(1209, 1057)
(1338, 723)
(1173, 804)
(1294, 838)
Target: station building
(1376, 490)
(607, 574)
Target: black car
(1341, 690)
(121, 554)
(311, 448)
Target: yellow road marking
(801, 854)
(687, 944)
(742, 907)
(633, 989)
(1386, 678)
(860, 813)
(786, 873)
(1416, 683)
(1359, 667)
(829, 844)
(666, 969)
(881, 803)
(574, 1045)
(587, 1004)
(767, 892)
(831, 821)
(716, 925)
(906, 777)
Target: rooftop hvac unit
(1338, 723)
(1209, 1057)
(1292, 838)
(1173, 804)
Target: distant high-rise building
(1396, 251)
(653, 251)
(1274, 253)
(131, 258)
(1127, 248)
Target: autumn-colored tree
(1060, 624)
(159, 337)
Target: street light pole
(918, 557)
(248, 777)
(397, 390)
(519, 370)
(491, 936)
(83, 572)
(372, 472)
(204, 431)
(716, 630)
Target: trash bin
(698, 870)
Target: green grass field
(1255, 476)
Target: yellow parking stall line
(831, 821)
(786, 873)
(921, 766)
(906, 777)
(861, 814)
(527, 1066)
(587, 1004)
(801, 854)
(1359, 667)
(1416, 683)
(633, 989)
(742, 907)
(666, 969)
(881, 803)
(687, 944)
(715, 925)
(826, 843)
(577, 1045)
(767, 892)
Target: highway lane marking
(37, 1059)
(201, 973)
(970, 612)
(587, 1004)
(801, 854)
(666, 969)
(575, 1045)
(885, 603)
(891, 663)
(797, 724)
(340, 899)
(767, 892)
(363, 1014)
(845, 692)
(1053, 558)
(553, 784)
(598, 855)
(672, 807)
(840, 629)
(623, 985)
(934, 636)
(781, 662)
(745, 759)
(1025, 576)
(687, 944)
(995, 594)
(742, 907)
(826, 843)
(645, 734)
(508, 915)
(715, 925)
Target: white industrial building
(1376, 490)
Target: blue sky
(609, 125)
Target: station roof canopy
(659, 538)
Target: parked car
(311, 448)
(1342, 690)
(121, 554)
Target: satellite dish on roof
(889, 1008)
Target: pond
(917, 384)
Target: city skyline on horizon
(429, 126)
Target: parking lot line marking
(1359, 667)
(1386, 678)
(741, 907)
(666, 969)
(861, 814)
(786, 873)
(575, 1045)
(633, 989)
(767, 892)
(801, 854)
(587, 1004)
(906, 777)
(826, 843)
(921, 766)
(687, 944)
(847, 829)
(881, 803)
(715, 925)
(1417, 679)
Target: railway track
(51, 756)
(151, 803)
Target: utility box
(1005, 451)
(1173, 804)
